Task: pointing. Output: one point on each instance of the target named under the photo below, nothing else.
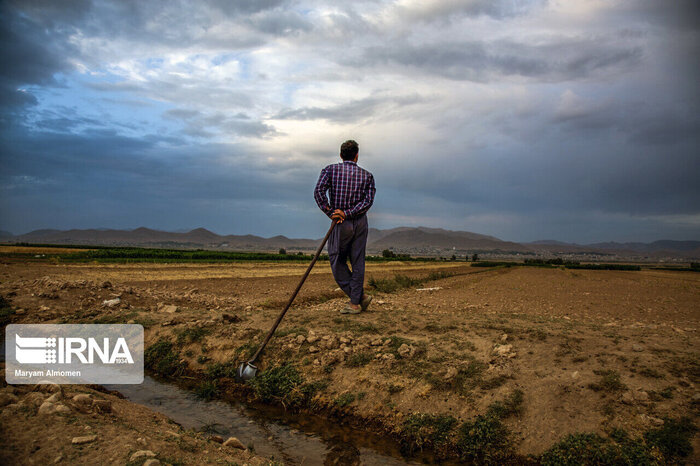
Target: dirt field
(515, 358)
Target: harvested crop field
(474, 364)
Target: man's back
(351, 189)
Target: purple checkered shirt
(351, 189)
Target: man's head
(349, 150)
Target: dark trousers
(348, 241)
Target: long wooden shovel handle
(294, 295)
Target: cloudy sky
(569, 120)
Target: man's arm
(322, 185)
(366, 202)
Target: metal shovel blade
(246, 371)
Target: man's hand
(338, 215)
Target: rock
(300, 339)
(169, 308)
(696, 396)
(388, 357)
(637, 348)
(627, 398)
(152, 462)
(575, 375)
(317, 362)
(82, 401)
(504, 338)
(450, 374)
(20, 312)
(503, 350)
(83, 439)
(106, 284)
(46, 408)
(378, 342)
(111, 302)
(62, 409)
(233, 442)
(55, 398)
(217, 438)
(313, 349)
(347, 350)
(103, 406)
(312, 339)
(7, 398)
(142, 454)
(640, 395)
(344, 340)
(58, 459)
(405, 351)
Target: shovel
(247, 370)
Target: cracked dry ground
(470, 339)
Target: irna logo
(67, 350)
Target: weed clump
(163, 359)
(609, 381)
(592, 449)
(207, 390)
(673, 438)
(668, 444)
(191, 335)
(420, 430)
(345, 399)
(486, 440)
(218, 370)
(360, 359)
(280, 384)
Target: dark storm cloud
(561, 60)
(355, 110)
(32, 50)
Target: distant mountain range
(413, 240)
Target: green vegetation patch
(604, 267)
(609, 381)
(668, 444)
(207, 389)
(419, 430)
(345, 400)
(191, 335)
(279, 384)
(360, 359)
(162, 358)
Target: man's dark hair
(348, 150)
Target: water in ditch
(272, 432)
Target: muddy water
(293, 439)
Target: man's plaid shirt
(351, 189)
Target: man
(351, 195)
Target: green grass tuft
(360, 359)
(278, 384)
(207, 389)
(419, 430)
(609, 381)
(162, 358)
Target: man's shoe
(350, 309)
(366, 299)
